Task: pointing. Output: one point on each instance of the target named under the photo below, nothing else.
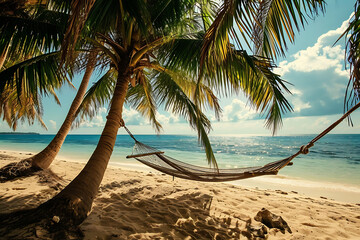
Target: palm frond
(352, 94)
(78, 16)
(141, 98)
(253, 75)
(169, 93)
(237, 72)
(172, 15)
(60, 5)
(37, 75)
(96, 97)
(15, 109)
(276, 22)
(183, 52)
(25, 36)
(199, 93)
(114, 15)
(217, 37)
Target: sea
(333, 163)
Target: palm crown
(30, 38)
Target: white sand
(142, 205)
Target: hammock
(156, 159)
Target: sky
(313, 65)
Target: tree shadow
(171, 216)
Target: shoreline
(150, 205)
(316, 189)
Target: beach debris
(258, 231)
(56, 219)
(207, 202)
(187, 223)
(241, 216)
(281, 192)
(272, 221)
(210, 221)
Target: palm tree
(43, 159)
(29, 106)
(153, 56)
(150, 61)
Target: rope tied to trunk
(116, 120)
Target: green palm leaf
(25, 36)
(236, 72)
(217, 37)
(15, 109)
(98, 95)
(352, 94)
(276, 22)
(39, 74)
(78, 15)
(169, 93)
(197, 91)
(39, 30)
(140, 97)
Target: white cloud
(96, 121)
(53, 124)
(297, 102)
(300, 105)
(132, 117)
(316, 124)
(236, 111)
(318, 76)
(319, 57)
(168, 118)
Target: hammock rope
(156, 159)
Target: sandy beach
(149, 205)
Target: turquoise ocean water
(334, 159)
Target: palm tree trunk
(73, 204)
(44, 158)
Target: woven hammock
(156, 159)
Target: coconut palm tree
(150, 62)
(152, 52)
(26, 105)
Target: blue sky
(313, 66)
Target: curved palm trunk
(44, 158)
(73, 204)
